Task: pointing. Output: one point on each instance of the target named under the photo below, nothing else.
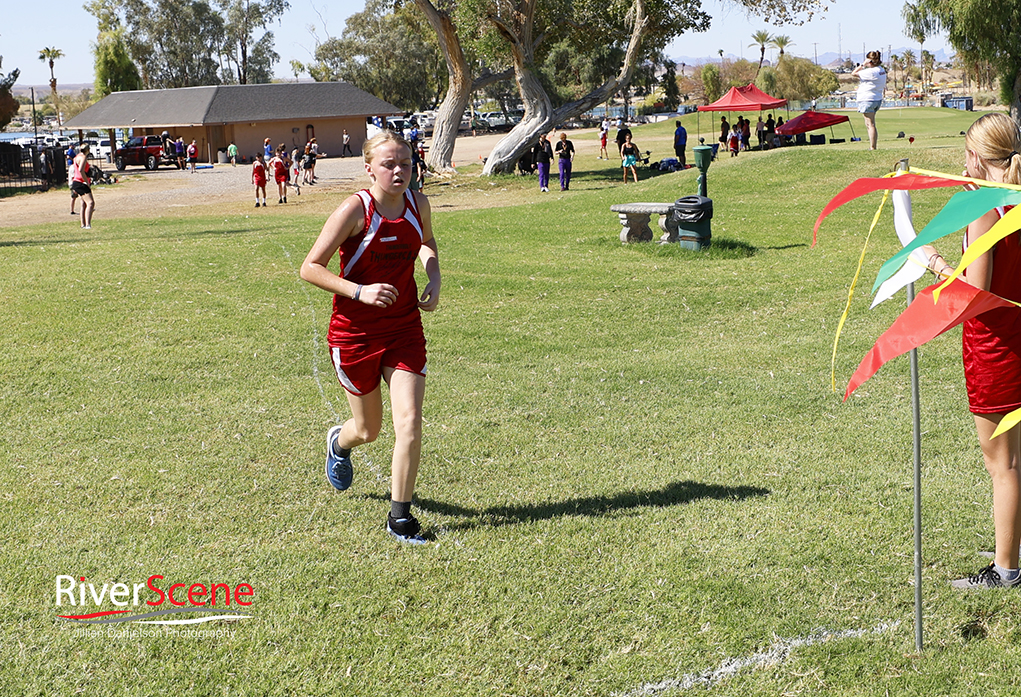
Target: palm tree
(918, 24)
(51, 55)
(760, 39)
(908, 57)
(780, 42)
(896, 63)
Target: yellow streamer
(850, 292)
(966, 180)
(1008, 422)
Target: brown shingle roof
(218, 104)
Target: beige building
(288, 113)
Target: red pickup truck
(143, 150)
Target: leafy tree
(173, 43)
(896, 63)
(51, 55)
(737, 73)
(712, 86)
(800, 78)
(365, 56)
(76, 104)
(252, 59)
(114, 69)
(456, 30)
(522, 24)
(761, 38)
(766, 81)
(671, 92)
(988, 31)
(9, 106)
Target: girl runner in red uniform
(376, 327)
(259, 178)
(279, 169)
(992, 347)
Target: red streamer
(866, 185)
(924, 320)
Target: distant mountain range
(44, 90)
(826, 59)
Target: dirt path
(217, 189)
(140, 193)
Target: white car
(100, 147)
(425, 121)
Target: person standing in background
(565, 161)
(870, 92)
(542, 153)
(680, 143)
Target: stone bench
(635, 218)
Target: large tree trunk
(459, 83)
(540, 116)
(459, 88)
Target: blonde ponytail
(995, 138)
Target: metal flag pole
(902, 166)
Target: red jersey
(992, 341)
(259, 173)
(384, 252)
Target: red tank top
(79, 174)
(992, 341)
(384, 252)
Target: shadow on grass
(721, 248)
(673, 494)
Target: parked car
(143, 150)
(497, 120)
(425, 121)
(100, 147)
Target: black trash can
(693, 214)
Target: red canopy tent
(810, 121)
(747, 98)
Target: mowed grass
(634, 468)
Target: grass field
(635, 474)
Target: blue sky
(67, 26)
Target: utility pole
(815, 49)
(35, 124)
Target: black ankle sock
(339, 451)
(400, 509)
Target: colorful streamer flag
(1009, 223)
(866, 185)
(963, 208)
(924, 320)
(908, 273)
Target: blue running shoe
(338, 469)
(405, 529)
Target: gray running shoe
(988, 577)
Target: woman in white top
(870, 92)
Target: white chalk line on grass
(381, 477)
(777, 653)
